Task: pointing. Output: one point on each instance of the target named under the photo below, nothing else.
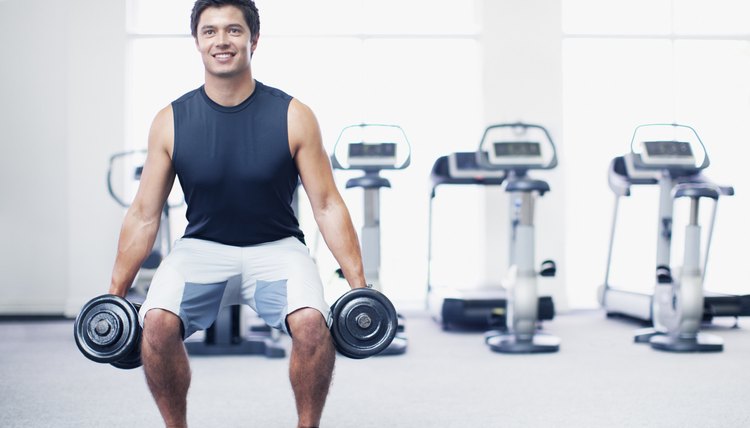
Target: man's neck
(229, 92)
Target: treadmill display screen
(517, 149)
(668, 149)
(467, 161)
(379, 150)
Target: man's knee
(307, 325)
(161, 326)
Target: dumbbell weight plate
(107, 330)
(364, 323)
(133, 359)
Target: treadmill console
(465, 165)
(673, 147)
(371, 148)
(516, 153)
(667, 153)
(516, 147)
(372, 154)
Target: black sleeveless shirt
(235, 167)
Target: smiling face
(225, 42)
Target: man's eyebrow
(213, 27)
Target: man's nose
(222, 39)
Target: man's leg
(165, 363)
(311, 363)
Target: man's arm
(141, 223)
(329, 209)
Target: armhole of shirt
(174, 137)
(289, 134)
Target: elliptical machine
(673, 157)
(372, 148)
(517, 148)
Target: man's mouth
(223, 56)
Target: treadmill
(481, 308)
(666, 161)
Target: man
(237, 147)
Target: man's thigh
(191, 282)
(279, 278)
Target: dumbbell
(364, 323)
(107, 331)
(107, 328)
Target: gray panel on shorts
(200, 305)
(271, 302)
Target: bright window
(683, 61)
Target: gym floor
(446, 379)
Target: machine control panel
(465, 165)
(516, 153)
(672, 147)
(667, 153)
(372, 154)
(371, 147)
(517, 147)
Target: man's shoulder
(272, 92)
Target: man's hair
(246, 6)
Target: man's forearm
(337, 229)
(135, 243)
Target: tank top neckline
(232, 109)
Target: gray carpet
(598, 379)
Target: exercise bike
(672, 157)
(516, 149)
(458, 306)
(372, 148)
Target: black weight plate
(364, 323)
(106, 329)
(133, 359)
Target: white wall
(523, 82)
(96, 75)
(33, 173)
(61, 117)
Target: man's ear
(253, 44)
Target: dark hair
(246, 6)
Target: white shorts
(199, 277)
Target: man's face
(224, 41)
